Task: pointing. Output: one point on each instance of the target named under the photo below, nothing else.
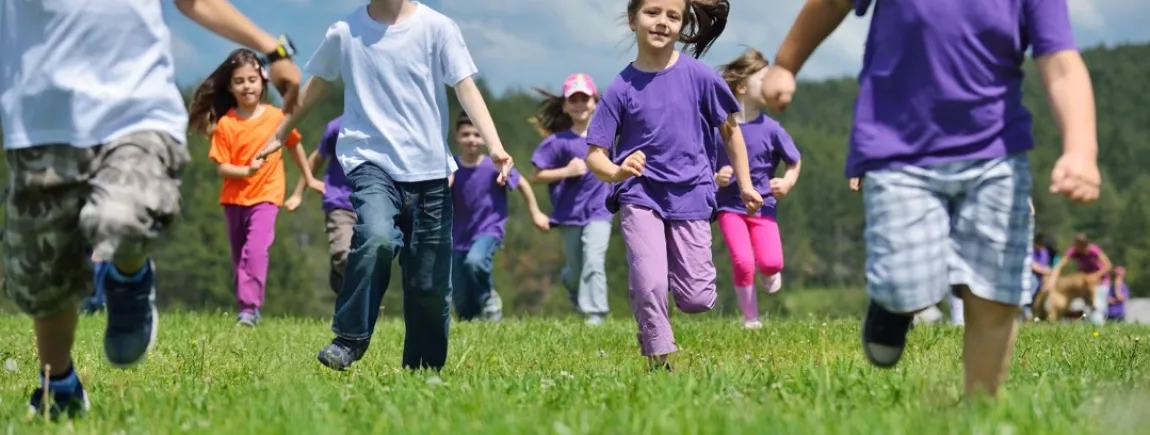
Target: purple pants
(251, 230)
(665, 256)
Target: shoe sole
(147, 350)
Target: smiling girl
(229, 108)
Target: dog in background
(1054, 304)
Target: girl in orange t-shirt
(229, 107)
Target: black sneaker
(341, 353)
(70, 405)
(132, 318)
(884, 335)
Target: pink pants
(753, 243)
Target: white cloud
(184, 52)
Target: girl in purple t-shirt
(753, 240)
(578, 199)
(649, 136)
(939, 140)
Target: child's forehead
(678, 5)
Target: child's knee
(697, 302)
(770, 266)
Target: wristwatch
(285, 50)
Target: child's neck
(580, 128)
(389, 12)
(655, 60)
(471, 159)
(749, 112)
(249, 112)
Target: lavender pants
(251, 230)
(665, 255)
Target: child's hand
(778, 88)
(503, 161)
(856, 184)
(317, 186)
(723, 177)
(576, 168)
(632, 166)
(293, 202)
(541, 221)
(752, 201)
(255, 165)
(780, 187)
(272, 146)
(1076, 177)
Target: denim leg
(477, 271)
(426, 264)
(460, 290)
(375, 241)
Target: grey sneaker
(341, 353)
(594, 320)
(132, 317)
(248, 318)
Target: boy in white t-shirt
(94, 141)
(394, 58)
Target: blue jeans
(472, 280)
(411, 221)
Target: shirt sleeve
(718, 101)
(455, 61)
(327, 142)
(605, 122)
(325, 62)
(785, 146)
(547, 155)
(1047, 25)
(220, 151)
(513, 178)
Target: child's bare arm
(816, 21)
(1071, 98)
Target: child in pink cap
(578, 199)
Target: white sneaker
(773, 283)
(752, 324)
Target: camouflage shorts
(64, 202)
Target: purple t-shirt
(941, 81)
(667, 115)
(767, 145)
(336, 192)
(1040, 257)
(1088, 262)
(1118, 309)
(479, 201)
(577, 200)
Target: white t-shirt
(395, 103)
(85, 72)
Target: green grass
(557, 376)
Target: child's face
(469, 140)
(246, 85)
(579, 107)
(753, 88)
(658, 23)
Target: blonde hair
(744, 66)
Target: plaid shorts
(963, 223)
(65, 202)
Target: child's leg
(477, 268)
(1100, 305)
(737, 238)
(426, 264)
(573, 261)
(993, 230)
(135, 196)
(646, 240)
(236, 219)
(692, 273)
(596, 236)
(339, 225)
(767, 243)
(374, 244)
(252, 273)
(908, 250)
(957, 316)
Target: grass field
(557, 376)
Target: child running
(662, 107)
(1090, 259)
(480, 202)
(578, 199)
(228, 107)
(753, 241)
(394, 58)
(94, 133)
(339, 216)
(943, 148)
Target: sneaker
(594, 320)
(752, 324)
(248, 318)
(341, 353)
(884, 335)
(70, 405)
(773, 283)
(132, 317)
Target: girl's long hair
(549, 116)
(744, 66)
(213, 98)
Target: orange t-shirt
(237, 141)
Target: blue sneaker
(248, 318)
(132, 317)
(71, 405)
(341, 353)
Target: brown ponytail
(549, 117)
(705, 20)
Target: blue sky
(523, 43)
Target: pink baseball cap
(579, 83)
